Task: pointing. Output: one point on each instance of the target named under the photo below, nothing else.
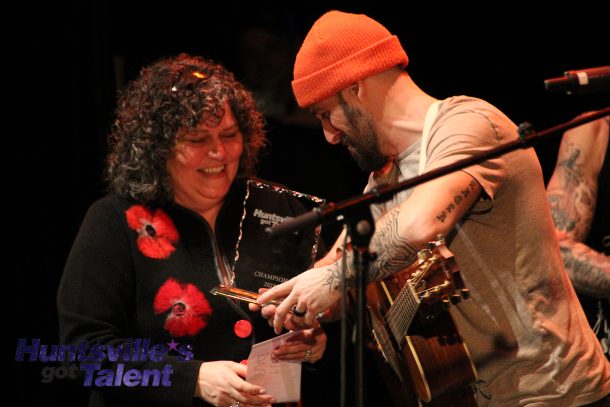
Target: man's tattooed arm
(408, 227)
(572, 196)
(458, 199)
(589, 270)
(393, 253)
(333, 280)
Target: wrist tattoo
(333, 279)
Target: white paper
(281, 378)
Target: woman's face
(204, 162)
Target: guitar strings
(407, 305)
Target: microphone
(588, 80)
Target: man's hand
(310, 293)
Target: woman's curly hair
(172, 94)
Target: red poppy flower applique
(156, 231)
(188, 308)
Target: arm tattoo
(457, 200)
(573, 203)
(333, 279)
(589, 270)
(561, 219)
(394, 252)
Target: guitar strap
(430, 116)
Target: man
(579, 196)
(523, 325)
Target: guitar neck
(402, 312)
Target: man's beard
(362, 139)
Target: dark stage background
(78, 59)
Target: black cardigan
(137, 273)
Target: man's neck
(401, 118)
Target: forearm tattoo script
(457, 201)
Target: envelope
(281, 378)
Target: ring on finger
(307, 356)
(298, 313)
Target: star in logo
(173, 345)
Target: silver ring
(235, 405)
(307, 356)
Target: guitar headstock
(434, 280)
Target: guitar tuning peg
(455, 298)
(465, 293)
(445, 304)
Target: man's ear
(358, 90)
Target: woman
(135, 290)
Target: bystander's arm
(572, 196)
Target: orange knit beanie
(339, 50)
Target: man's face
(347, 124)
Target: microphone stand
(360, 228)
(355, 213)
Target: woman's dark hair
(171, 94)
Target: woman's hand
(221, 384)
(308, 345)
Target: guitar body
(430, 364)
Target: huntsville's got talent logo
(113, 359)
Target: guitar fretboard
(402, 312)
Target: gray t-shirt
(523, 325)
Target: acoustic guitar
(423, 358)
